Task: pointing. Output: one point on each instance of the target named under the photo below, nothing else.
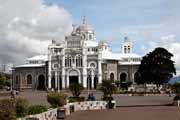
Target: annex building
(77, 59)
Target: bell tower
(126, 46)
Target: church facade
(77, 59)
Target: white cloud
(27, 27)
(171, 44)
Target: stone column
(92, 79)
(84, 69)
(56, 79)
(49, 71)
(99, 72)
(63, 69)
(85, 81)
(67, 80)
(79, 79)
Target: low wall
(51, 114)
(76, 106)
(87, 105)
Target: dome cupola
(85, 30)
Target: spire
(84, 19)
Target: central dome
(84, 27)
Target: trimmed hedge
(56, 99)
(37, 109)
(76, 99)
(177, 97)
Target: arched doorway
(53, 82)
(95, 81)
(89, 85)
(123, 79)
(41, 82)
(29, 79)
(60, 83)
(112, 76)
(73, 77)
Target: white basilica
(77, 59)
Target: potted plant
(108, 88)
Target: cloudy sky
(27, 26)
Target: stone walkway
(129, 113)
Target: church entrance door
(73, 79)
(123, 81)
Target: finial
(126, 39)
(84, 19)
(53, 41)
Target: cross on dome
(84, 19)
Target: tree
(76, 89)
(156, 67)
(2, 80)
(108, 88)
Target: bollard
(61, 113)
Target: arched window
(123, 77)
(68, 61)
(112, 76)
(125, 49)
(29, 79)
(78, 60)
(90, 37)
(137, 77)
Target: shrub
(76, 89)
(177, 97)
(21, 107)
(7, 110)
(107, 87)
(76, 99)
(176, 88)
(37, 109)
(56, 99)
(105, 98)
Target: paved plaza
(39, 97)
(156, 107)
(129, 113)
